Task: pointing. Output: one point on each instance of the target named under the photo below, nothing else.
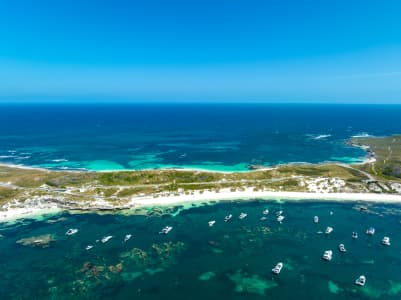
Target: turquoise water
(214, 137)
(194, 261)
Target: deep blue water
(208, 136)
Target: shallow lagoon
(231, 260)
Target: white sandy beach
(12, 213)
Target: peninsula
(27, 191)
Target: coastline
(16, 213)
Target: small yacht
(228, 218)
(71, 231)
(265, 212)
(354, 235)
(211, 223)
(88, 247)
(280, 218)
(166, 230)
(279, 213)
(327, 255)
(315, 219)
(370, 231)
(329, 230)
(277, 268)
(341, 248)
(242, 216)
(106, 239)
(361, 280)
(386, 241)
(127, 237)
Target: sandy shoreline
(15, 213)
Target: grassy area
(388, 155)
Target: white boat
(386, 241)
(71, 231)
(361, 280)
(327, 255)
(228, 218)
(279, 213)
(88, 247)
(263, 218)
(370, 231)
(211, 223)
(315, 219)
(354, 235)
(265, 212)
(341, 248)
(127, 237)
(277, 268)
(280, 218)
(106, 239)
(329, 230)
(166, 229)
(242, 216)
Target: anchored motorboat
(127, 237)
(106, 239)
(280, 218)
(166, 229)
(341, 248)
(315, 219)
(277, 268)
(329, 230)
(370, 231)
(327, 255)
(279, 213)
(88, 247)
(71, 231)
(361, 280)
(211, 223)
(242, 216)
(265, 212)
(263, 218)
(386, 241)
(228, 218)
(354, 235)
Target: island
(28, 191)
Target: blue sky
(273, 51)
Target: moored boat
(242, 216)
(327, 255)
(71, 231)
(166, 230)
(386, 241)
(211, 223)
(277, 268)
(127, 237)
(370, 231)
(329, 230)
(280, 218)
(228, 218)
(341, 248)
(354, 235)
(265, 212)
(315, 219)
(106, 239)
(361, 280)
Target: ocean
(219, 137)
(231, 260)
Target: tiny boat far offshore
(211, 223)
(341, 248)
(354, 235)
(361, 280)
(329, 230)
(386, 241)
(370, 231)
(277, 268)
(315, 219)
(166, 230)
(327, 255)
(242, 216)
(71, 231)
(228, 218)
